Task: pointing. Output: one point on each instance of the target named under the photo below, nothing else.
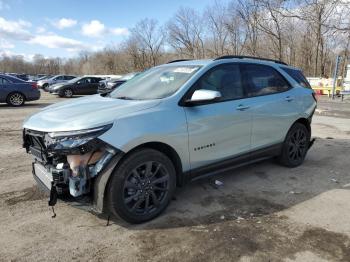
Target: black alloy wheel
(295, 146)
(142, 186)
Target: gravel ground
(263, 212)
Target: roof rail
(249, 57)
(178, 60)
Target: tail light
(34, 85)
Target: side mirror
(202, 96)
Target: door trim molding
(234, 162)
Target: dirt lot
(263, 212)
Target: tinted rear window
(298, 76)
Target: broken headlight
(79, 141)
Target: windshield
(155, 83)
(76, 79)
(128, 76)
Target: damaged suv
(127, 151)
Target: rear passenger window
(298, 76)
(226, 79)
(262, 80)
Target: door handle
(242, 107)
(289, 98)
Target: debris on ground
(335, 180)
(217, 184)
(294, 192)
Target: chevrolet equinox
(127, 151)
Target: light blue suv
(125, 152)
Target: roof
(204, 62)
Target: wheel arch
(305, 122)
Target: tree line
(308, 34)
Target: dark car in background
(85, 85)
(16, 92)
(24, 77)
(107, 86)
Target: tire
(46, 87)
(295, 146)
(137, 197)
(67, 93)
(15, 99)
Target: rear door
(273, 103)
(219, 130)
(94, 85)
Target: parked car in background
(16, 92)
(173, 123)
(45, 83)
(108, 85)
(43, 78)
(84, 85)
(20, 76)
(36, 78)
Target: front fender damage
(77, 175)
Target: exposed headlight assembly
(75, 142)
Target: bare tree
(216, 16)
(248, 10)
(186, 33)
(271, 22)
(148, 39)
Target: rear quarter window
(298, 76)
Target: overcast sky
(65, 27)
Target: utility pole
(335, 75)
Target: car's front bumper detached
(76, 172)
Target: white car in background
(45, 83)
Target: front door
(219, 130)
(82, 86)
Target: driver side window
(224, 78)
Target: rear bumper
(33, 96)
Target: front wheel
(295, 146)
(142, 186)
(68, 92)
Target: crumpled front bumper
(84, 185)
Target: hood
(83, 113)
(59, 85)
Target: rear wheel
(295, 146)
(142, 186)
(15, 99)
(46, 87)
